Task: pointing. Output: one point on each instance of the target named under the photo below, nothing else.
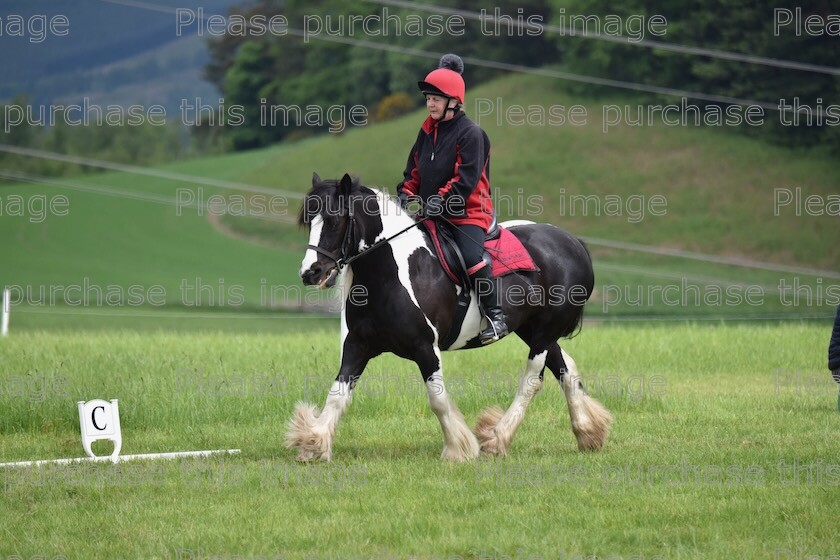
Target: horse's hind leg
(495, 428)
(311, 431)
(590, 420)
(459, 443)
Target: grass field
(724, 446)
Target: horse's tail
(575, 324)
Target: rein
(341, 260)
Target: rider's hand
(402, 198)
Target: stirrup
(496, 330)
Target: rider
(448, 170)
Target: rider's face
(436, 104)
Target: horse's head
(339, 214)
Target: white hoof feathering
(496, 428)
(313, 442)
(590, 420)
(592, 425)
(487, 434)
(459, 442)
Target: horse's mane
(321, 185)
(356, 187)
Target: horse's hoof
(312, 444)
(485, 431)
(455, 455)
(591, 432)
(308, 456)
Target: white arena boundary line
(121, 458)
(303, 314)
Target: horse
(397, 298)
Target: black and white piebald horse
(398, 299)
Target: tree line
(289, 70)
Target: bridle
(340, 258)
(344, 256)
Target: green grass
(705, 415)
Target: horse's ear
(346, 185)
(316, 179)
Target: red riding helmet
(446, 80)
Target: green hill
(680, 188)
(719, 186)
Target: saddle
(502, 250)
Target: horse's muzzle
(317, 275)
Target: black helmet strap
(454, 109)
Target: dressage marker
(99, 420)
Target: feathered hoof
(593, 426)
(485, 431)
(460, 444)
(457, 454)
(302, 433)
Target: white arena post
(4, 322)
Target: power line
(566, 31)
(731, 261)
(569, 76)
(622, 39)
(130, 195)
(160, 174)
(627, 246)
(706, 280)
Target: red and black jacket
(452, 159)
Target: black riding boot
(488, 297)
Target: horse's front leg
(459, 443)
(311, 431)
